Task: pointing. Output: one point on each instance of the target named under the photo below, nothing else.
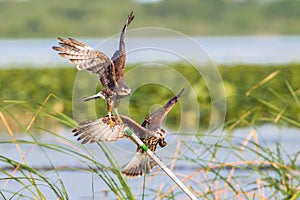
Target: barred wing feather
(88, 58)
(99, 130)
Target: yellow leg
(119, 120)
(111, 123)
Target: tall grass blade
(24, 167)
(125, 185)
(262, 82)
(292, 92)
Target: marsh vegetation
(38, 106)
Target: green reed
(268, 174)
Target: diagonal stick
(161, 164)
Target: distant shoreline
(229, 50)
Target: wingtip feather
(56, 48)
(180, 93)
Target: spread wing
(99, 130)
(119, 56)
(88, 58)
(155, 120)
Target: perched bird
(109, 71)
(150, 132)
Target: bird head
(123, 90)
(160, 133)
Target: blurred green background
(94, 18)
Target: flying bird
(110, 71)
(150, 132)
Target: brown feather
(99, 130)
(88, 59)
(119, 57)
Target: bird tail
(140, 164)
(96, 96)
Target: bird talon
(111, 123)
(119, 120)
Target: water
(221, 50)
(79, 183)
(228, 50)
